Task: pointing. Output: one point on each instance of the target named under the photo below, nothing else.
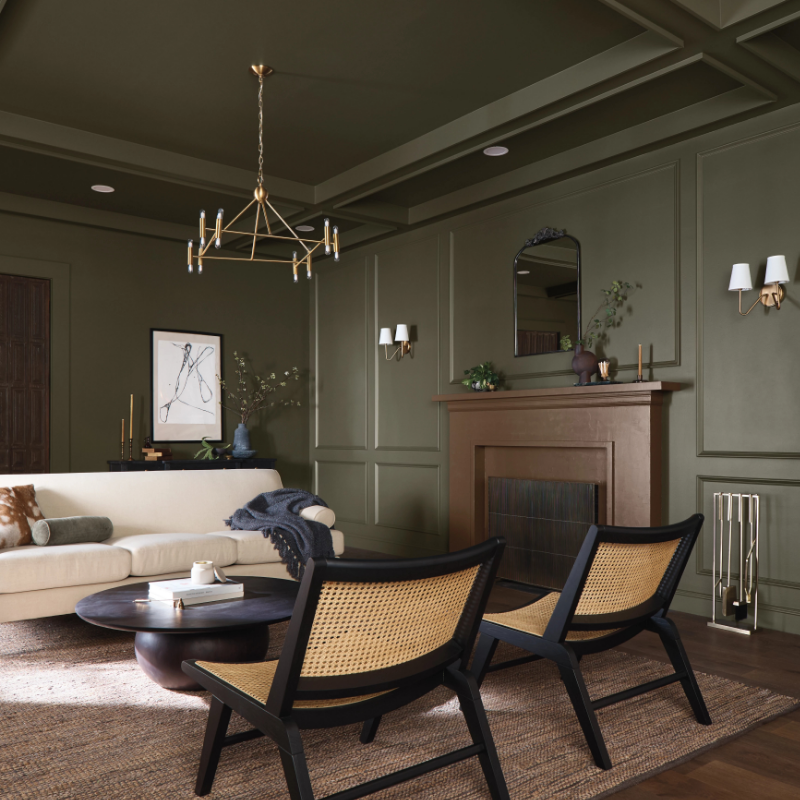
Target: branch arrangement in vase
(595, 330)
(253, 395)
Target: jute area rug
(80, 721)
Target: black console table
(220, 463)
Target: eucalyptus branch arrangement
(253, 395)
(613, 300)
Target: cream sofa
(163, 521)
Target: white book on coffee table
(184, 589)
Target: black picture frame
(185, 431)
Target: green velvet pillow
(71, 530)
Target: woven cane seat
(255, 680)
(534, 618)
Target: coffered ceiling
(377, 114)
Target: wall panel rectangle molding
(407, 291)
(747, 207)
(341, 354)
(619, 223)
(343, 486)
(408, 496)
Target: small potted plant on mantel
(584, 363)
(251, 397)
(481, 378)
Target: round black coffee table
(228, 630)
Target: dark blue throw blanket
(277, 515)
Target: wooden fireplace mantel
(609, 435)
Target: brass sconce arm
(769, 296)
(745, 313)
(402, 349)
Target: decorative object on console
(71, 530)
(481, 378)
(737, 603)
(401, 335)
(19, 512)
(184, 399)
(771, 293)
(249, 398)
(584, 365)
(130, 445)
(207, 451)
(604, 366)
(161, 454)
(330, 241)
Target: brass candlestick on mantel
(130, 447)
(639, 378)
(122, 442)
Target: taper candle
(131, 428)
(640, 361)
(122, 442)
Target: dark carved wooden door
(24, 375)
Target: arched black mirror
(547, 293)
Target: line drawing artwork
(188, 381)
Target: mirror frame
(546, 235)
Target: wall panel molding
(398, 511)
(349, 508)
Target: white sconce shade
(386, 336)
(401, 335)
(740, 278)
(776, 270)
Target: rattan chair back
(623, 575)
(362, 626)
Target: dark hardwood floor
(763, 764)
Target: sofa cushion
(255, 548)
(28, 568)
(71, 530)
(157, 553)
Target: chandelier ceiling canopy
(306, 247)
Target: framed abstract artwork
(184, 394)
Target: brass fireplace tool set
(735, 540)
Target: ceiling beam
(497, 120)
(38, 136)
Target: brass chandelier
(330, 240)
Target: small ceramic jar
(203, 572)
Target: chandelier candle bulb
(308, 266)
(202, 228)
(189, 249)
(218, 230)
(335, 242)
(295, 265)
(327, 237)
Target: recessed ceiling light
(99, 187)
(497, 150)
(523, 272)
(304, 228)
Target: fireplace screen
(544, 523)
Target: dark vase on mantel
(584, 364)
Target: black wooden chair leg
(369, 729)
(295, 769)
(671, 640)
(484, 652)
(219, 715)
(469, 697)
(581, 702)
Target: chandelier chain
(260, 130)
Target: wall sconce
(771, 293)
(401, 335)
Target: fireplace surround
(605, 435)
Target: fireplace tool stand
(735, 538)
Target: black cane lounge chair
(366, 638)
(622, 583)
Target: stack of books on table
(191, 593)
(157, 454)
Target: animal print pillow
(18, 512)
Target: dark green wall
(672, 221)
(108, 290)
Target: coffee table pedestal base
(160, 654)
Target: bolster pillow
(71, 530)
(319, 514)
